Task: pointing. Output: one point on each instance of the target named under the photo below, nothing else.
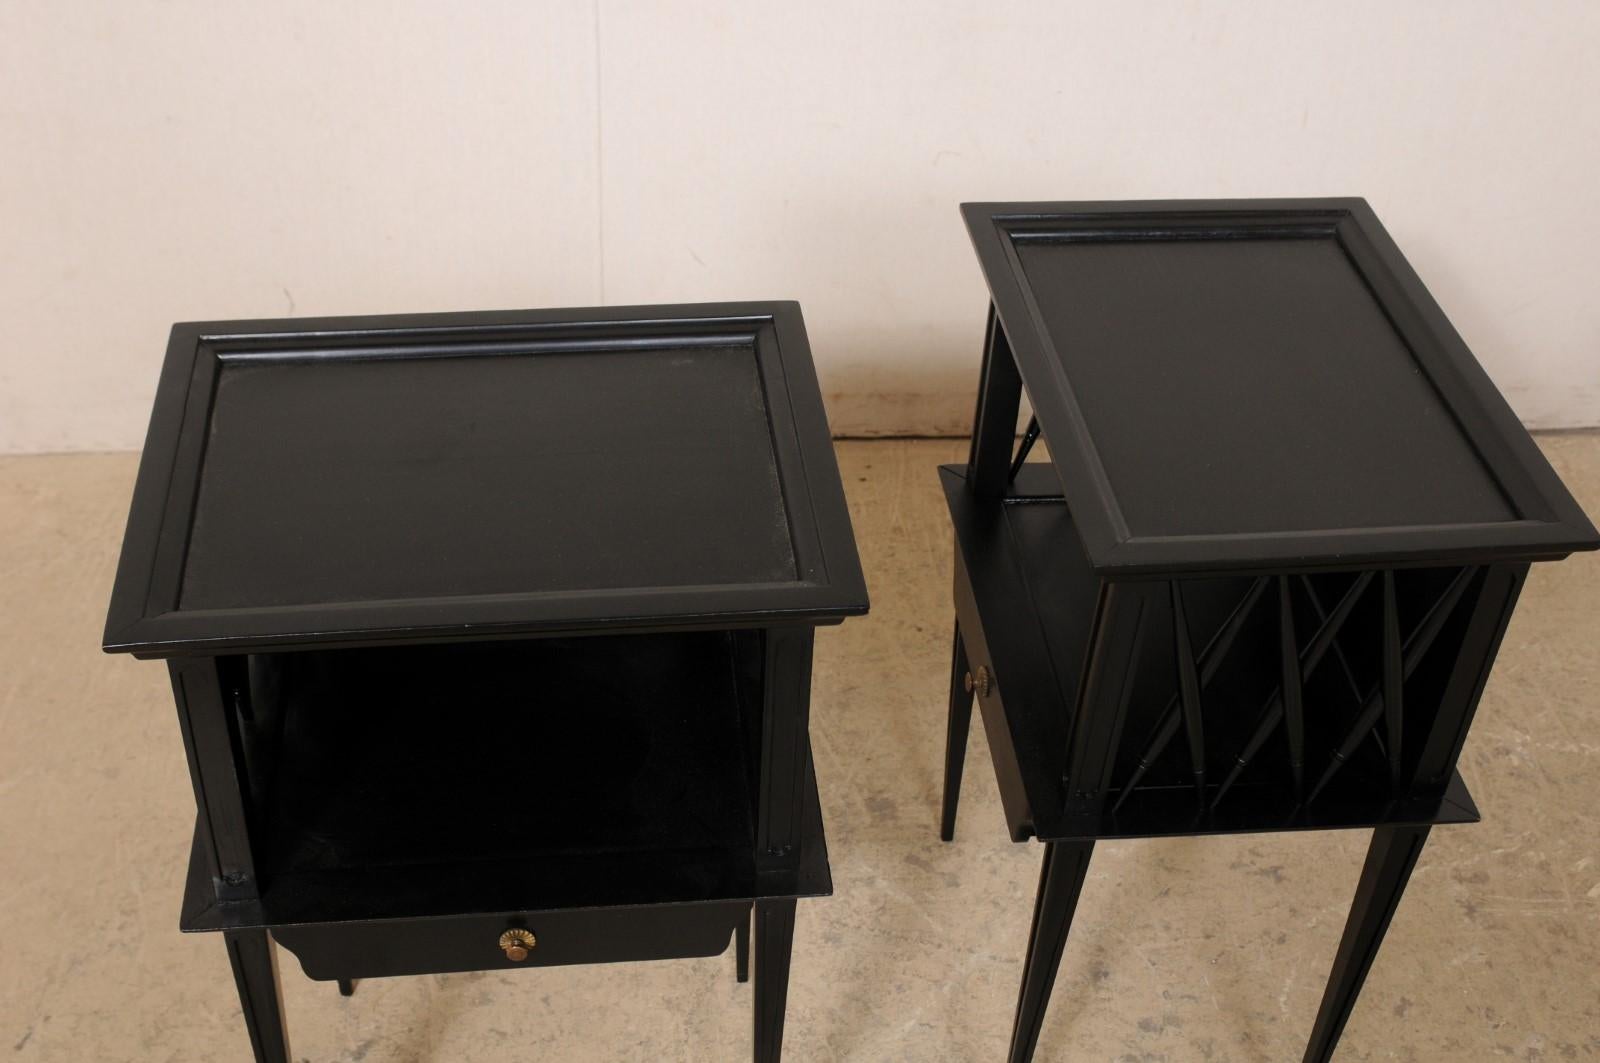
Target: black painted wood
(1238, 396)
(1212, 658)
(994, 425)
(516, 890)
(774, 941)
(209, 740)
(1294, 712)
(1194, 366)
(785, 717)
(504, 465)
(1189, 689)
(1480, 642)
(957, 728)
(391, 947)
(492, 622)
(1390, 859)
(1037, 657)
(255, 973)
(1061, 875)
(741, 960)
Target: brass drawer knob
(980, 684)
(517, 943)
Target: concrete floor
(1200, 949)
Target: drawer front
(991, 709)
(474, 943)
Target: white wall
(188, 160)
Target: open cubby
(416, 765)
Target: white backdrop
(170, 161)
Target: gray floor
(1203, 949)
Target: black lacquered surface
(1258, 384)
(1261, 580)
(336, 479)
(1022, 550)
(1251, 385)
(350, 481)
(493, 624)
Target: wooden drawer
(992, 709)
(472, 943)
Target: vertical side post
(785, 715)
(1103, 698)
(1390, 858)
(994, 424)
(1294, 715)
(1188, 690)
(214, 771)
(1393, 680)
(1491, 612)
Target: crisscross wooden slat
(1189, 690)
(1294, 717)
(1310, 657)
(1028, 439)
(1211, 658)
(1393, 683)
(1416, 647)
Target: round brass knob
(980, 684)
(517, 943)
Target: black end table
(1261, 581)
(490, 636)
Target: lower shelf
(512, 888)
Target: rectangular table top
(364, 480)
(1261, 383)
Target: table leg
(1060, 882)
(741, 949)
(255, 972)
(994, 422)
(347, 987)
(955, 740)
(1390, 858)
(774, 938)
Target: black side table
(1261, 581)
(490, 636)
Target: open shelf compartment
(405, 782)
(1031, 610)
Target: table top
(449, 476)
(1265, 383)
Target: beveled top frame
(145, 616)
(1548, 525)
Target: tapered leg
(1060, 883)
(955, 738)
(741, 949)
(347, 987)
(1390, 858)
(255, 971)
(994, 422)
(774, 937)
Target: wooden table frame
(1061, 608)
(715, 661)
